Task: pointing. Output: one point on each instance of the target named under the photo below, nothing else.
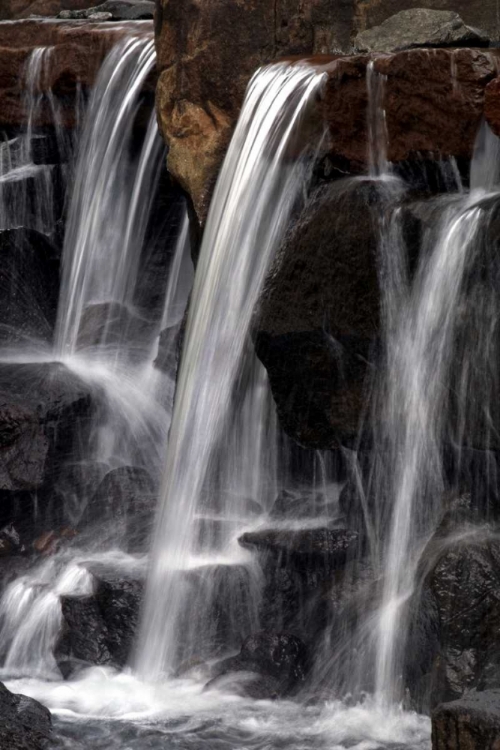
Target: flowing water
(221, 456)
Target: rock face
(207, 52)
(114, 10)
(24, 723)
(420, 27)
(472, 723)
(12, 9)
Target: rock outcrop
(420, 27)
(472, 723)
(24, 723)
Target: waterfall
(423, 324)
(258, 187)
(106, 223)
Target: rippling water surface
(105, 710)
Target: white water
(255, 193)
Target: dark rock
(11, 541)
(127, 496)
(113, 324)
(44, 412)
(248, 684)
(119, 597)
(24, 723)
(168, 349)
(280, 656)
(83, 640)
(318, 322)
(472, 723)
(331, 547)
(302, 504)
(420, 27)
(29, 286)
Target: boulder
(100, 629)
(318, 323)
(481, 14)
(44, 413)
(471, 723)
(24, 723)
(420, 27)
(277, 665)
(127, 497)
(29, 286)
(111, 324)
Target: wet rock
(29, 286)
(207, 53)
(302, 504)
(420, 27)
(50, 542)
(330, 547)
(24, 723)
(318, 323)
(454, 641)
(127, 497)
(44, 413)
(101, 628)
(83, 640)
(11, 542)
(112, 324)
(472, 723)
(115, 10)
(277, 663)
(119, 597)
(428, 109)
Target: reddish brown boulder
(12, 9)
(434, 102)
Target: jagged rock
(29, 286)
(12, 9)
(282, 657)
(168, 349)
(471, 723)
(127, 497)
(420, 27)
(115, 10)
(11, 542)
(119, 597)
(24, 723)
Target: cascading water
(254, 197)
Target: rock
(114, 10)
(329, 547)
(119, 597)
(12, 9)
(11, 541)
(83, 640)
(127, 496)
(471, 723)
(112, 324)
(24, 723)
(420, 27)
(207, 53)
(478, 13)
(42, 408)
(29, 286)
(282, 657)
(101, 628)
(428, 109)
(318, 322)
(169, 348)
(302, 504)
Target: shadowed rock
(472, 723)
(24, 723)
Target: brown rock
(492, 105)
(12, 9)
(471, 723)
(207, 52)
(434, 101)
